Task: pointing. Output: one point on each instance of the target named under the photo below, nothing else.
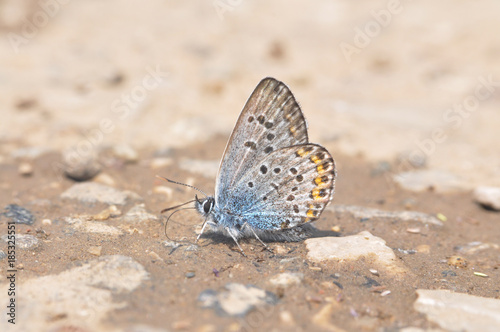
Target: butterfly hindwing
(289, 187)
(270, 120)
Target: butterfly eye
(207, 206)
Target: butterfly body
(271, 182)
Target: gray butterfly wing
(270, 120)
(289, 187)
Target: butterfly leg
(236, 241)
(202, 230)
(258, 238)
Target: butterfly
(272, 183)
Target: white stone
(85, 224)
(91, 192)
(236, 299)
(353, 247)
(287, 279)
(126, 153)
(458, 311)
(81, 296)
(488, 196)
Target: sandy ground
(387, 87)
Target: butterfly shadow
(306, 231)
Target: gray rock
(458, 311)
(19, 215)
(2, 254)
(84, 295)
(353, 247)
(236, 300)
(422, 180)
(80, 167)
(369, 213)
(85, 224)
(138, 214)
(488, 197)
(90, 192)
(24, 241)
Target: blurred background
(410, 83)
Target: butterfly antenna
(182, 184)
(177, 206)
(166, 222)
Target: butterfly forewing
(289, 187)
(270, 120)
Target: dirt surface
(420, 92)
(169, 299)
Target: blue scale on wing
(290, 187)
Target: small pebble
(192, 247)
(286, 318)
(161, 162)
(424, 249)
(46, 222)
(236, 299)
(171, 244)
(385, 293)
(336, 229)
(415, 230)
(441, 217)
(448, 273)
(323, 318)
(104, 178)
(163, 190)
(95, 250)
(280, 250)
(25, 169)
(78, 167)
(190, 275)
(315, 268)
(457, 261)
(287, 279)
(125, 153)
(155, 256)
(480, 274)
(111, 211)
(488, 197)
(374, 272)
